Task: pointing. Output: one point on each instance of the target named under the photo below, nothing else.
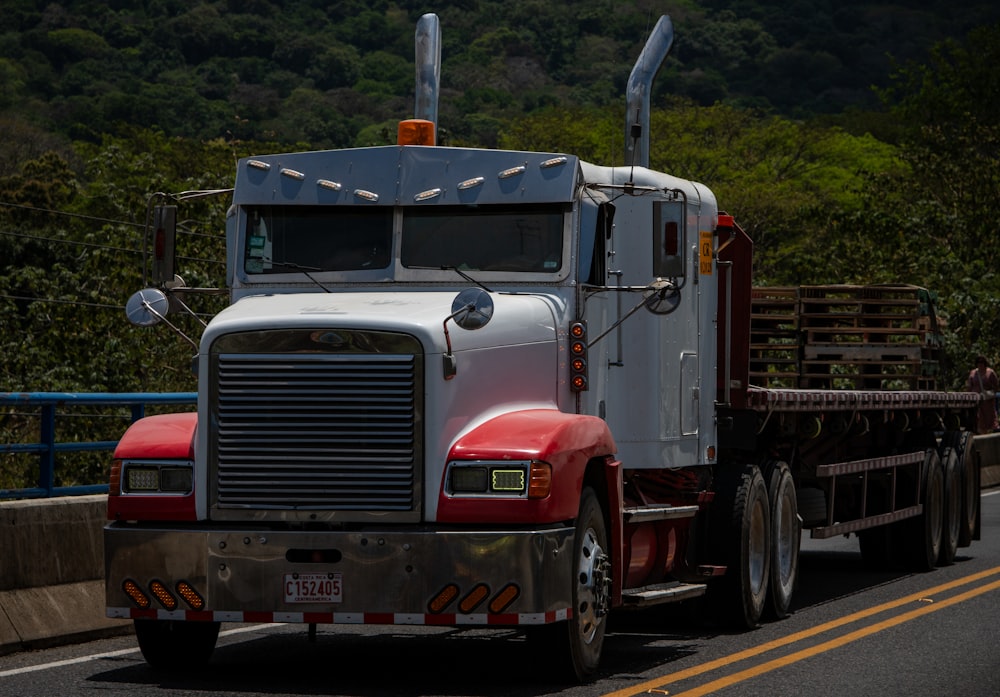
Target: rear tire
(925, 531)
(952, 514)
(968, 465)
(786, 532)
(746, 535)
(176, 646)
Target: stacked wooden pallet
(844, 337)
(775, 348)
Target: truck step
(662, 593)
(643, 514)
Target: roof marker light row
(423, 195)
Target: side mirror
(164, 238)
(471, 309)
(147, 307)
(669, 239)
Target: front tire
(178, 646)
(581, 638)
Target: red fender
(160, 437)
(565, 441)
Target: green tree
(949, 111)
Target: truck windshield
(495, 238)
(282, 239)
(286, 239)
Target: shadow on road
(374, 662)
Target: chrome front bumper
(385, 576)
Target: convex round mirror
(663, 297)
(478, 308)
(147, 307)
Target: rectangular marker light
(508, 480)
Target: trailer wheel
(925, 531)
(952, 514)
(176, 646)
(747, 537)
(786, 530)
(968, 467)
(581, 639)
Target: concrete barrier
(988, 448)
(52, 572)
(52, 565)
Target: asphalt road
(852, 632)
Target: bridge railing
(47, 407)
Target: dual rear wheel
(762, 538)
(949, 494)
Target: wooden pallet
(844, 337)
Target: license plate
(313, 588)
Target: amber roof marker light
(415, 132)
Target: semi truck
(473, 387)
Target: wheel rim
(785, 546)
(593, 582)
(970, 505)
(954, 503)
(758, 551)
(935, 502)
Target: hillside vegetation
(857, 142)
(332, 74)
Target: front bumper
(385, 576)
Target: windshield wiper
(457, 270)
(466, 276)
(299, 267)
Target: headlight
(157, 478)
(520, 479)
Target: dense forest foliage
(333, 73)
(855, 141)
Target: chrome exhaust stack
(427, 49)
(640, 83)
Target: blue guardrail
(49, 406)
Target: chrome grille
(316, 431)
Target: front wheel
(581, 638)
(167, 644)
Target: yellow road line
(716, 685)
(703, 668)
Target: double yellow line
(927, 605)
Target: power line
(54, 301)
(94, 245)
(71, 215)
(78, 303)
(127, 223)
(28, 236)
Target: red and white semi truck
(471, 387)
